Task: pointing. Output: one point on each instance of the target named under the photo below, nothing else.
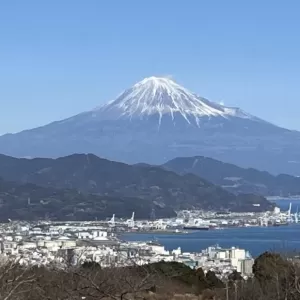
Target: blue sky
(59, 58)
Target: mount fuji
(157, 120)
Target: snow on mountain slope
(162, 96)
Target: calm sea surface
(254, 239)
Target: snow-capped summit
(163, 97)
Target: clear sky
(61, 57)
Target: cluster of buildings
(64, 244)
(220, 260)
(243, 219)
(205, 220)
(224, 261)
(73, 243)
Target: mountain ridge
(234, 178)
(158, 187)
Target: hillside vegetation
(32, 202)
(274, 278)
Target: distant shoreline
(274, 198)
(163, 232)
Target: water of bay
(254, 239)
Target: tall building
(246, 266)
(237, 253)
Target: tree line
(274, 277)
